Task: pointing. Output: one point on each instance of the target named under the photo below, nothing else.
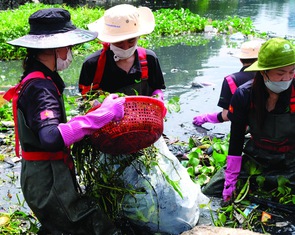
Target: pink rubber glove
(209, 117)
(111, 109)
(158, 93)
(232, 171)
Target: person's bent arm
(51, 139)
(234, 159)
(224, 115)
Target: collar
(38, 66)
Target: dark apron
(51, 191)
(51, 194)
(278, 132)
(272, 149)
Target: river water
(184, 65)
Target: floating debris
(197, 85)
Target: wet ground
(10, 194)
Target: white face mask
(278, 87)
(64, 64)
(120, 54)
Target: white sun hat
(250, 49)
(123, 22)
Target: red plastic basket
(141, 126)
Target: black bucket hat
(52, 28)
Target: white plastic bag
(160, 208)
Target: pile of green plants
(169, 22)
(104, 181)
(102, 176)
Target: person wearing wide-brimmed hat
(267, 107)
(122, 66)
(248, 55)
(47, 176)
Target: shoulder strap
(98, 72)
(231, 83)
(292, 100)
(143, 62)
(13, 94)
(100, 66)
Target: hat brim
(42, 41)
(255, 67)
(243, 56)
(147, 26)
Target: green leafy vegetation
(18, 222)
(6, 112)
(5, 115)
(15, 24)
(206, 156)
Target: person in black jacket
(122, 66)
(266, 106)
(48, 179)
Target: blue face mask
(277, 87)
